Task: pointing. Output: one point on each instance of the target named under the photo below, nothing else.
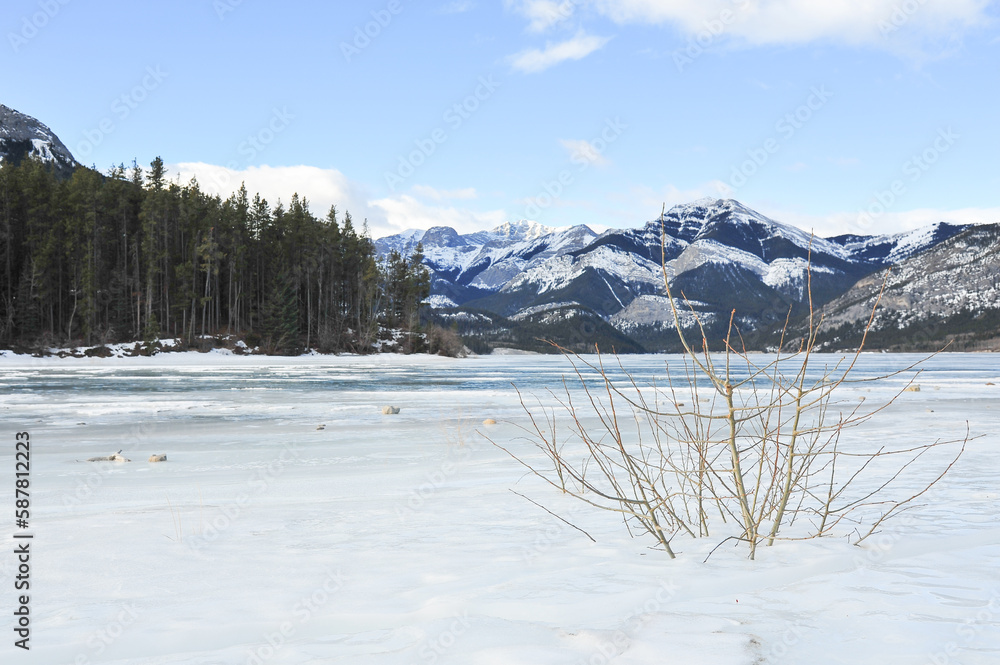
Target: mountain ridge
(949, 294)
(718, 254)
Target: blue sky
(841, 116)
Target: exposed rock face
(22, 136)
(948, 293)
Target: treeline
(130, 255)
(576, 329)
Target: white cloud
(533, 61)
(582, 151)
(406, 212)
(802, 21)
(326, 187)
(543, 14)
(322, 187)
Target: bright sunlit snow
(295, 523)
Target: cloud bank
(423, 208)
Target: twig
(557, 517)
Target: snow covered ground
(267, 538)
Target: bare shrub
(445, 342)
(731, 447)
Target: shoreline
(215, 346)
(69, 355)
(207, 345)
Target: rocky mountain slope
(718, 256)
(23, 136)
(948, 294)
(466, 267)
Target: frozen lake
(267, 538)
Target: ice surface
(396, 539)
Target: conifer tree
(128, 255)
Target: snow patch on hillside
(559, 272)
(911, 243)
(42, 149)
(790, 276)
(538, 309)
(440, 302)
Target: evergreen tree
(127, 255)
(281, 316)
(27, 320)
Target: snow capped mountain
(603, 278)
(719, 255)
(717, 252)
(892, 249)
(23, 136)
(951, 292)
(465, 266)
(731, 224)
(522, 230)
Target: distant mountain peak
(709, 202)
(23, 136)
(522, 229)
(712, 202)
